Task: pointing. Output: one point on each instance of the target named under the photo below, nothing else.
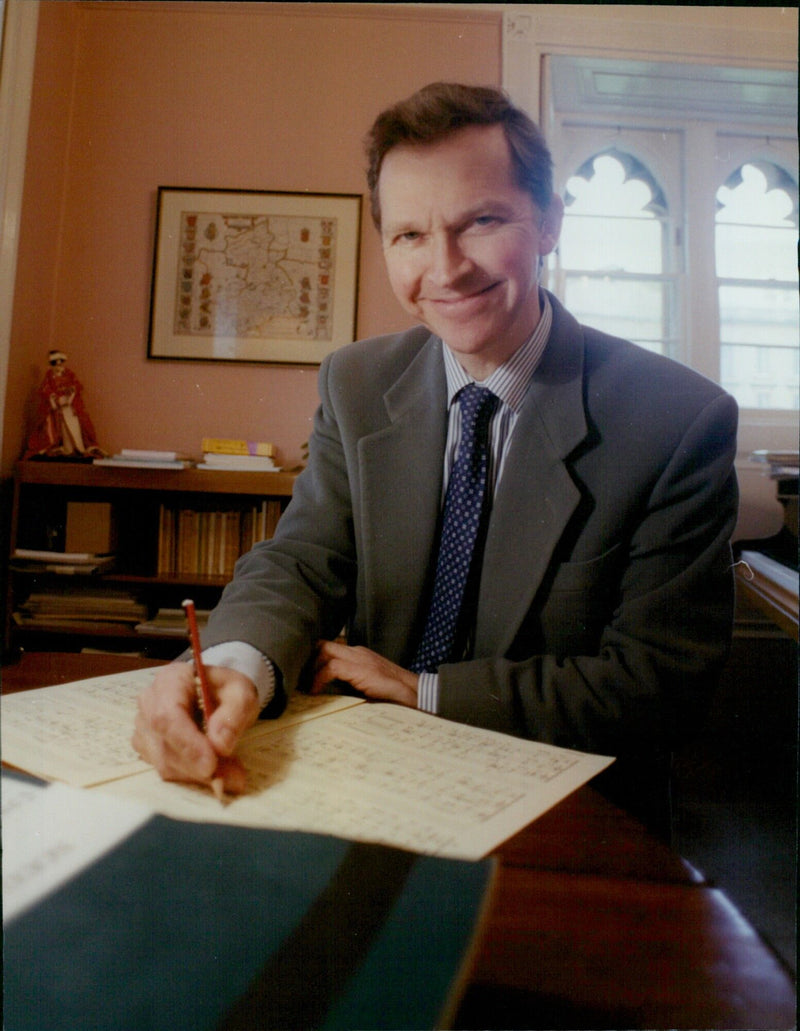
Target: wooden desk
(43, 669)
(593, 924)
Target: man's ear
(551, 225)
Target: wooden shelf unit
(38, 518)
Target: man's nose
(448, 262)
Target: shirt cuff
(428, 692)
(245, 659)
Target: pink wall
(130, 96)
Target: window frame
(709, 36)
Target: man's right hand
(166, 733)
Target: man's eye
(485, 220)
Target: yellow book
(224, 446)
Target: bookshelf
(176, 534)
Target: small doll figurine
(63, 428)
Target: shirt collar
(510, 381)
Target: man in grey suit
(600, 604)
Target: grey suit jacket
(606, 594)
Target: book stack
(224, 453)
(195, 542)
(170, 623)
(133, 458)
(66, 563)
(781, 463)
(66, 608)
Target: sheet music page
(385, 773)
(80, 733)
(332, 765)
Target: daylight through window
(756, 238)
(612, 257)
(680, 186)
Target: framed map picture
(247, 276)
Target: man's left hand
(375, 677)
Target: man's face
(462, 243)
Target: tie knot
(475, 402)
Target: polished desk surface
(593, 923)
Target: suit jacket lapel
(536, 495)
(401, 482)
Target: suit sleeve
(291, 591)
(663, 627)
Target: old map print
(255, 275)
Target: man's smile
(462, 298)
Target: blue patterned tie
(462, 528)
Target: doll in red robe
(62, 428)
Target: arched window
(756, 262)
(613, 258)
(656, 246)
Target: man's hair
(441, 109)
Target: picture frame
(253, 276)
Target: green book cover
(205, 926)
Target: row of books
(208, 543)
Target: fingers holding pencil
(167, 734)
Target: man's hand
(368, 672)
(166, 733)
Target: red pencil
(204, 699)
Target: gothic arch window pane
(612, 253)
(756, 240)
(613, 221)
(757, 223)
